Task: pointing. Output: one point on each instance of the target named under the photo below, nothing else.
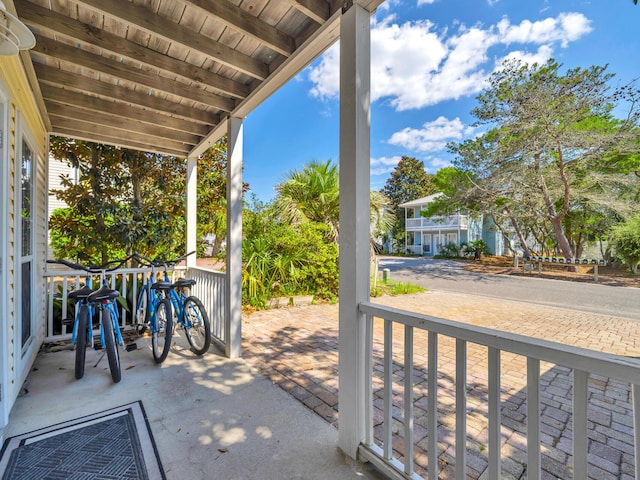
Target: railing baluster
(369, 380)
(580, 438)
(533, 419)
(123, 310)
(432, 405)
(408, 400)
(635, 399)
(461, 409)
(51, 289)
(388, 390)
(494, 413)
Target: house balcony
(448, 222)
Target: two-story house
(427, 235)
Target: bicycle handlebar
(101, 269)
(159, 263)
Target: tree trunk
(523, 241)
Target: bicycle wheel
(82, 335)
(161, 331)
(196, 325)
(111, 346)
(142, 310)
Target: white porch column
(354, 223)
(233, 291)
(192, 209)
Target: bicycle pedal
(98, 346)
(131, 347)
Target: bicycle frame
(152, 298)
(91, 313)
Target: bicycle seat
(81, 294)
(162, 285)
(184, 283)
(103, 293)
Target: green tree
(626, 241)
(548, 134)
(312, 194)
(88, 231)
(408, 181)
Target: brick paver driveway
(298, 349)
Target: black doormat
(111, 445)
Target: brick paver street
(297, 348)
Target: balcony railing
(434, 223)
(209, 288)
(428, 406)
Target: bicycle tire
(82, 335)
(161, 331)
(111, 345)
(142, 310)
(196, 325)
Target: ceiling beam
(108, 120)
(98, 63)
(76, 82)
(316, 10)
(124, 110)
(122, 134)
(140, 17)
(118, 142)
(247, 24)
(56, 23)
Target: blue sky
(429, 60)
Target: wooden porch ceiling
(161, 75)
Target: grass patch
(395, 288)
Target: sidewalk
(297, 349)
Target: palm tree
(312, 194)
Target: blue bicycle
(153, 311)
(186, 310)
(102, 301)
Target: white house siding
(23, 119)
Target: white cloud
(414, 66)
(384, 165)
(425, 2)
(432, 137)
(436, 163)
(567, 27)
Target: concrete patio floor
(211, 417)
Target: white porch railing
(210, 288)
(434, 223)
(128, 281)
(429, 405)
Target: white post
(192, 209)
(354, 225)
(233, 291)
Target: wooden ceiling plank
(42, 18)
(114, 132)
(142, 18)
(118, 142)
(241, 20)
(77, 56)
(109, 119)
(80, 83)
